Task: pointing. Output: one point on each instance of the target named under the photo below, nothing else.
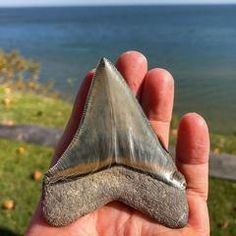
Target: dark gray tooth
(114, 155)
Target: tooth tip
(102, 62)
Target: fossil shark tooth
(114, 155)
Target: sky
(13, 3)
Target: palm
(117, 219)
(154, 89)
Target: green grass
(16, 169)
(17, 183)
(222, 207)
(223, 143)
(33, 108)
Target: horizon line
(115, 5)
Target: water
(197, 44)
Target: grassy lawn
(17, 167)
(17, 183)
(221, 143)
(222, 207)
(32, 108)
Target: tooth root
(114, 155)
(68, 201)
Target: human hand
(155, 91)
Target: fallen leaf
(6, 102)
(37, 175)
(20, 150)
(7, 90)
(174, 132)
(8, 122)
(8, 204)
(216, 151)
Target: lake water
(197, 44)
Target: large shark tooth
(114, 155)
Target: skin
(155, 92)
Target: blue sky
(105, 2)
